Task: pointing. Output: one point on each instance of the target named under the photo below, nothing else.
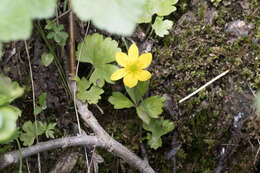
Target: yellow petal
(143, 75)
(122, 59)
(133, 51)
(118, 74)
(130, 80)
(145, 60)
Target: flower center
(133, 68)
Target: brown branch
(13, 156)
(113, 146)
(72, 44)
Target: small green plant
(148, 109)
(29, 130)
(42, 104)
(100, 52)
(47, 59)
(29, 134)
(161, 8)
(56, 33)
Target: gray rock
(239, 28)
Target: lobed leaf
(99, 52)
(120, 101)
(136, 93)
(158, 128)
(151, 107)
(93, 95)
(161, 26)
(159, 7)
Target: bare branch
(13, 157)
(113, 146)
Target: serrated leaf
(93, 95)
(136, 93)
(120, 101)
(28, 136)
(114, 16)
(151, 106)
(83, 84)
(8, 117)
(99, 52)
(158, 128)
(9, 90)
(47, 59)
(41, 127)
(160, 7)
(50, 130)
(161, 26)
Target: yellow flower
(133, 66)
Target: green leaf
(37, 110)
(47, 59)
(16, 17)
(142, 114)
(158, 128)
(49, 132)
(160, 7)
(61, 38)
(29, 136)
(151, 107)
(161, 26)
(57, 32)
(8, 117)
(114, 16)
(120, 101)
(1, 53)
(15, 20)
(136, 93)
(42, 100)
(41, 8)
(83, 84)
(41, 127)
(93, 95)
(99, 52)
(9, 90)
